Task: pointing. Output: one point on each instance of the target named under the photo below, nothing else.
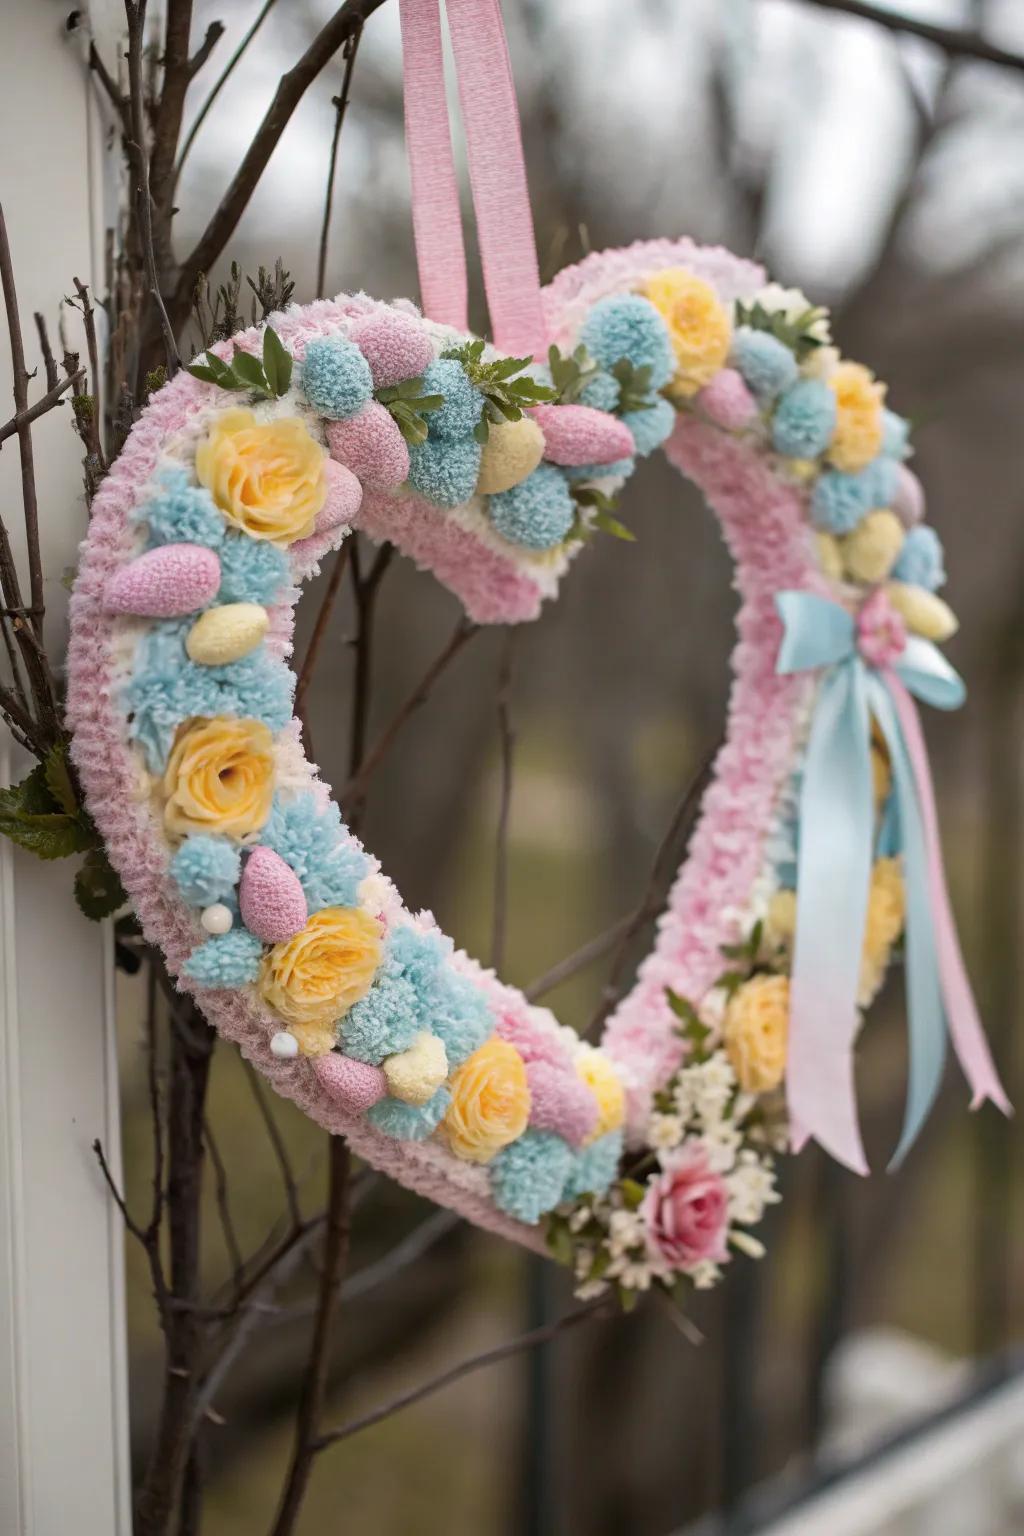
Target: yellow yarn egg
(415, 1075)
(226, 634)
(923, 613)
(829, 557)
(512, 451)
(872, 549)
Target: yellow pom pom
(859, 399)
(226, 634)
(922, 612)
(829, 556)
(800, 470)
(872, 549)
(698, 323)
(757, 1032)
(512, 451)
(596, 1070)
(415, 1075)
(780, 920)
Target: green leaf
(59, 781)
(53, 836)
(691, 1026)
(627, 1298)
(570, 375)
(609, 524)
(250, 370)
(634, 386)
(98, 890)
(632, 1192)
(482, 430)
(559, 1241)
(277, 362)
(201, 371)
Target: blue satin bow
(834, 874)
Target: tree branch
(349, 51)
(135, 143)
(201, 115)
(957, 43)
(499, 915)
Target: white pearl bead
(284, 1046)
(217, 919)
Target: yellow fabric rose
(313, 979)
(859, 398)
(596, 1070)
(757, 1032)
(698, 323)
(780, 920)
(490, 1104)
(267, 478)
(219, 778)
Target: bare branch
(956, 43)
(499, 916)
(227, 1224)
(316, 639)
(135, 142)
(49, 361)
(201, 115)
(532, 1340)
(349, 51)
(291, 1192)
(46, 403)
(110, 88)
(214, 33)
(21, 378)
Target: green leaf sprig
(595, 512)
(794, 334)
(265, 379)
(409, 407)
(506, 396)
(634, 386)
(570, 375)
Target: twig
(113, 94)
(412, 1247)
(227, 1224)
(28, 479)
(222, 81)
(587, 954)
(349, 50)
(355, 789)
(49, 361)
(499, 916)
(46, 403)
(291, 1192)
(365, 589)
(531, 1340)
(135, 11)
(93, 440)
(958, 44)
(316, 639)
(661, 874)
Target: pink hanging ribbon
(497, 172)
(965, 1026)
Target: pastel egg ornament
(270, 897)
(165, 583)
(226, 633)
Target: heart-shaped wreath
(816, 856)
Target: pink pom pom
(372, 447)
(344, 494)
(560, 1102)
(395, 345)
(353, 1084)
(532, 1040)
(270, 897)
(577, 434)
(727, 401)
(908, 502)
(165, 583)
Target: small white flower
(751, 1187)
(682, 1097)
(746, 1243)
(792, 304)
(664, 1131)
(705, 1275)
(721, 1141)
(590, 1290)
(712, 1008)
(635, 1276)
(578, 1218)
(582, 1261)
(820, 362)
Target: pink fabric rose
(685, 1210)
(881, 632)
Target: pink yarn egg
(532, 1040)
(165, 583)
(270, 897)
(577, 434)
(353, 1084)
(395, 345)
(344, 494)
(727, 401)
(908, 502)
(561, 1102)
(372, 447)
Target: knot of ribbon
(862, 680)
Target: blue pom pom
(651, 427)
(537, 513)
(227, 960)
(882, 476)
(463, 403)
(594, 1168)
(620, 470)
(626, 325)
(528, 1176)
(804, 420)
(839, 501)
(168, 688)
(384, 1021)
(766, 363)
(922, 560)
(336, 377)
(406, 1122)
(895, 435)
(601, 392)
(416, 956)
(457, 1012)
(206, 869)
(181, 513)
(313, 842)
(252, 571)
(445, 472)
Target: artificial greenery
(570, 375)
(505, 395)
(595, 512)
(264, 378)
(409, 407)
(793, 333)
(634, 386)
(44, 815)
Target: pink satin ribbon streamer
(497, 172)
(965, 1026)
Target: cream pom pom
(227, 633)
(415, 1075)
(923, 613)
(512, 451)
(829, 556)
(872, 549)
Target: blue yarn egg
(921, 561)
(620, 470)
(445, 472)
(463, 402)
(839, 501)
(601, 392)
(537, 513)
(206, 869)
(528, 1176)
(651, 427)
(895, 435)
(626, 325)
(766, 363)
(336, 377)
(882, 476)
(252, 571)
(805, 420)
(228, 960)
